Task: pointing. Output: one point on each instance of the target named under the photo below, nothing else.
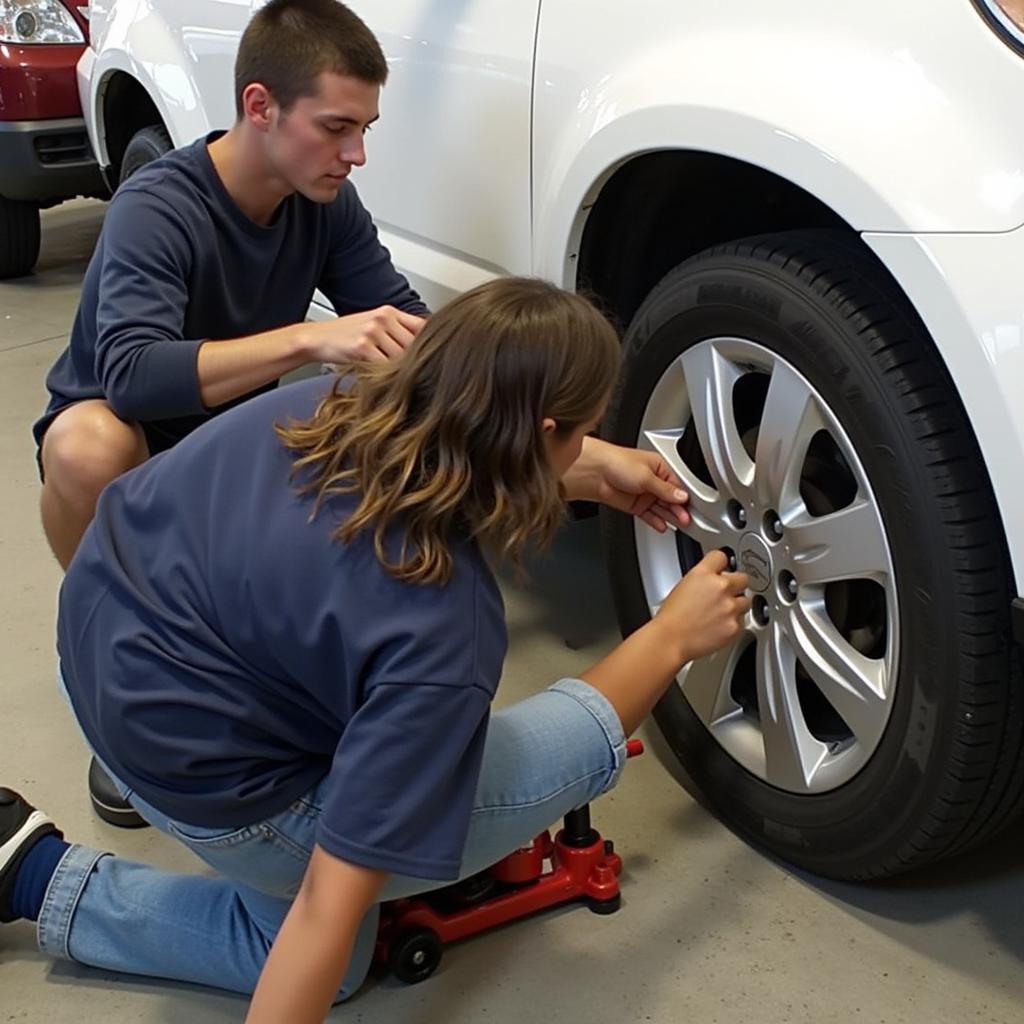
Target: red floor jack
(413, 932)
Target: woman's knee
(566, 737)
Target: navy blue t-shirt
(178, 263)
(223, 653)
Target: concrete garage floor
(709, 931)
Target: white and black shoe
(21, 827)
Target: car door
(448, 172)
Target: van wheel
(869, 719)
(146, 145)
(19, 237)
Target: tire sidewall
(19, 246)
(145, 146)
(754, 299)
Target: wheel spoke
(791, 753)
(707, 510)
(706, 681)
(843, 545)
(667, 406)
(791, 418)
(853, 684)
(660, 569)
(709, 381)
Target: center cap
(755, 560)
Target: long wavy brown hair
(447, 441)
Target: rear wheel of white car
(19, 237)
(145, 146)
(869, 719)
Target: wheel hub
(755, 559)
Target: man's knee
(86, 447)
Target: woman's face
(564, 449)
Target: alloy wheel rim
(801, 699)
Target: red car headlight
(37, 21)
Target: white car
(808, 218)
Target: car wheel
(19, 237)
(869, 718)
(145, 146)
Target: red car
(45, 156)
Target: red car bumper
(45, 154)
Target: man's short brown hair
(290, 43)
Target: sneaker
(108, 803)
(21, 827)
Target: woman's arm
(702, 613)
(638, 482)
(309, 957)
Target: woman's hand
(309, 957)
(636, 482)
(703, 613)
(705, 610)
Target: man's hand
(377, 334)
(640, 483)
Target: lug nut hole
(737, 514)
(773, 526)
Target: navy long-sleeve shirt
(178, 263)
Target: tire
(19, 237)
(883, 571)
(145, 146)
(415, 955)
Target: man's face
(315, 144)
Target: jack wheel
(415, 955)
(604, 906)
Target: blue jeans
(544, 756)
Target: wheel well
(661, 208)
(126, 108)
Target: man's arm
(359, 272)
(234, 367)
(142, 361)
(309, 957)
(146, 367)
(380, 315)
